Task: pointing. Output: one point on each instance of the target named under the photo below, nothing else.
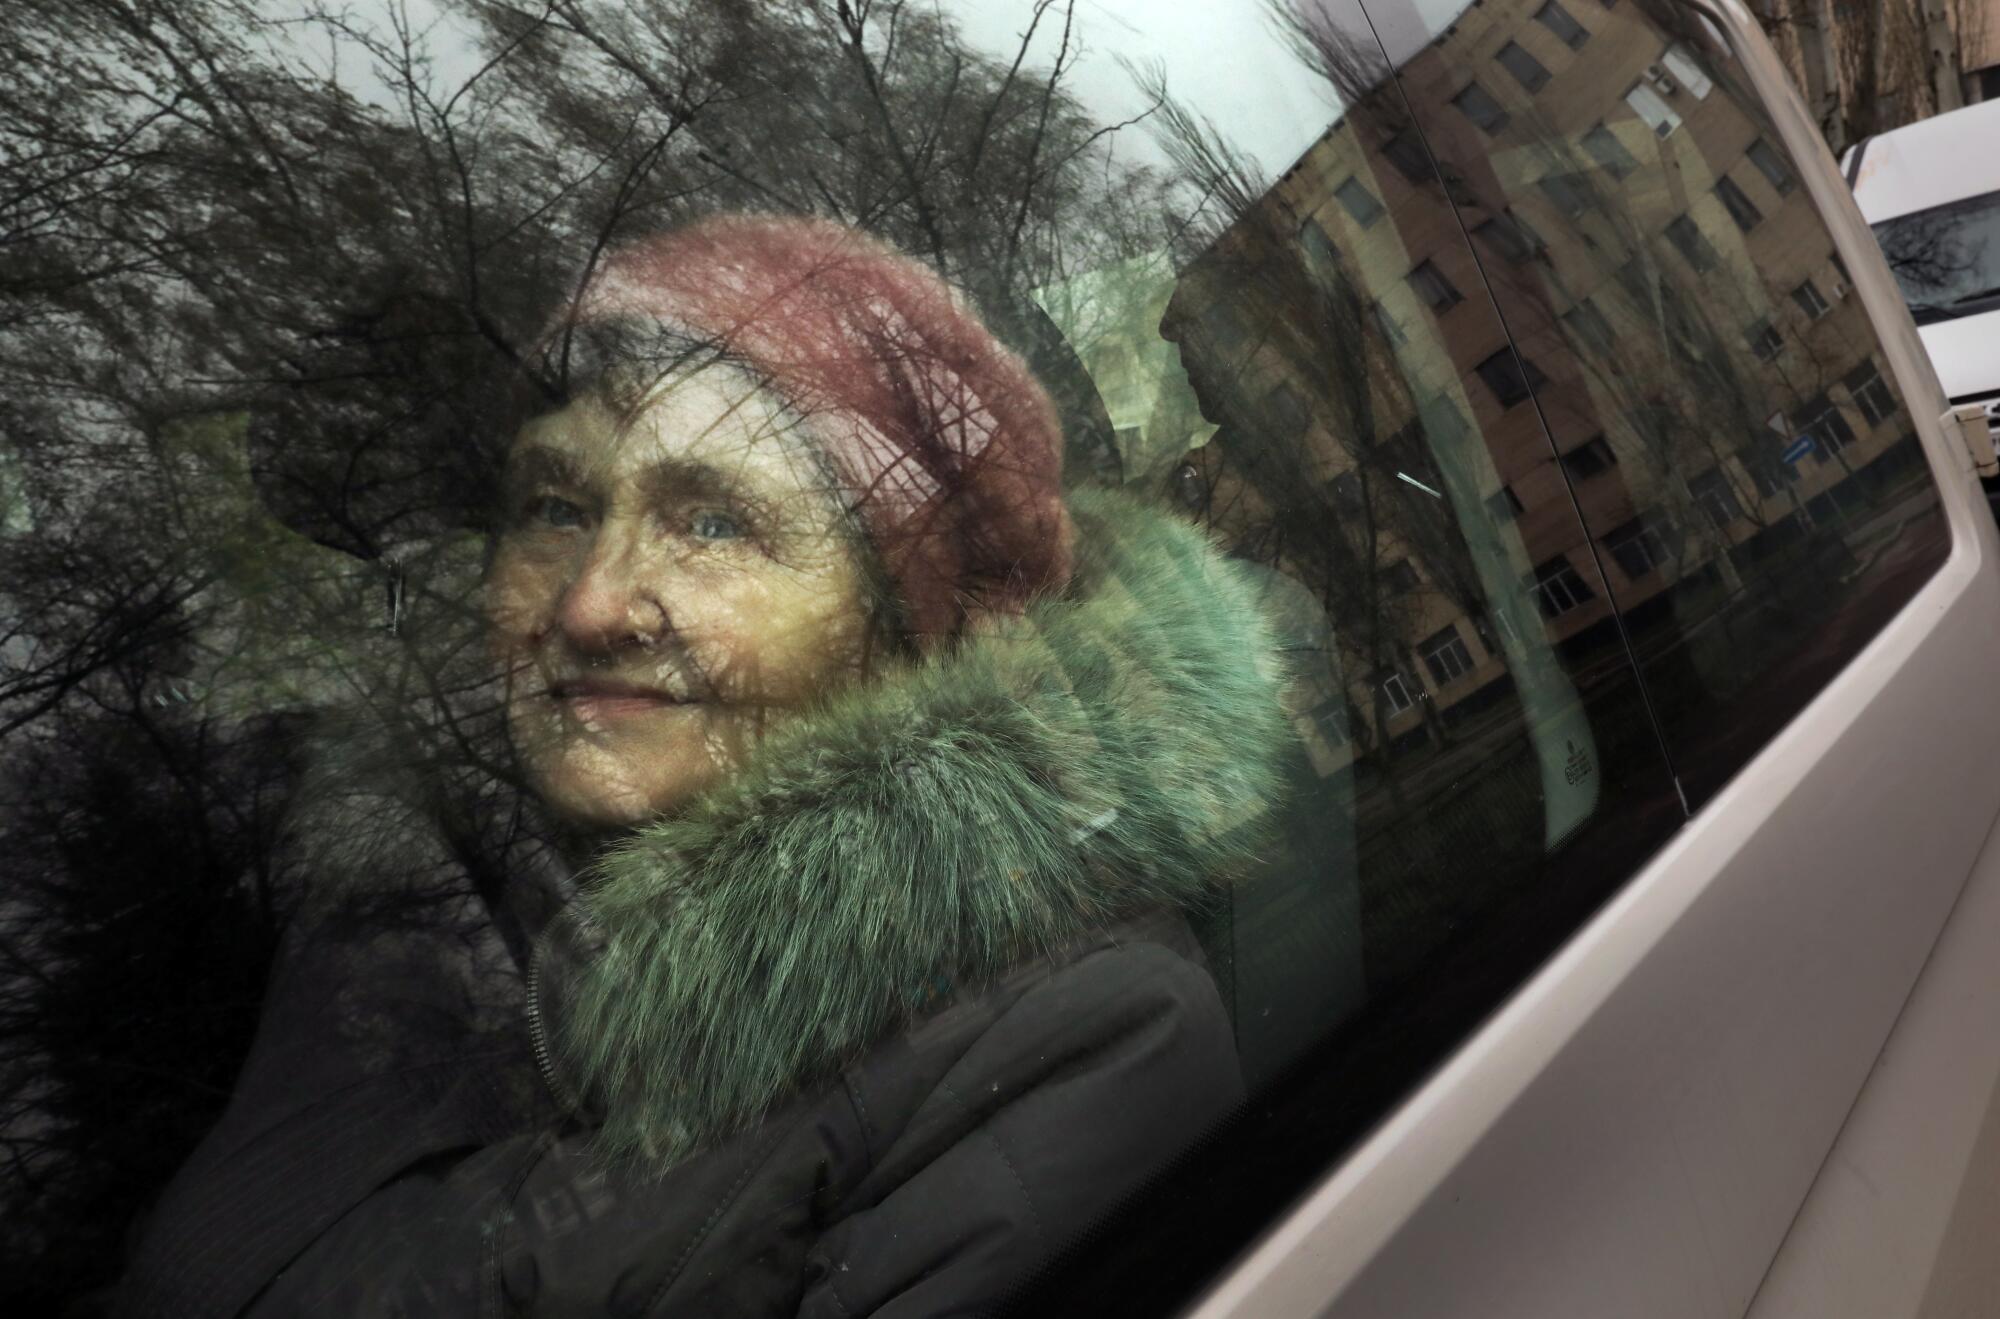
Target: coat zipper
(538, 1035)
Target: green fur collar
(1113, 752)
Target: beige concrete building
(1376, 439)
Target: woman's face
(672, 577)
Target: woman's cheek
(517, 599)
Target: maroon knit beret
(948, 447)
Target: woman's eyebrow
(539, 462)
(683, 476)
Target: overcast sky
(1221, 59)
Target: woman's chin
(627, 792)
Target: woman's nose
(613, 600)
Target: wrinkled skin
(675, 573)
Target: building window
(1871, 393)
(1358, 201)
(1593, 457)
(1637, 283)
(1406, 455)
(1558, 588)
(1527, 70)
(1478, 105)
(1438, 293)
(1559, 21)
(1771, 165)
(1687, 70)
(1828, 427)
(1687, 239)
(1445, 655)
(1332, 717)
(1714, 496)
(1761, 460)
(1765, 341)
(1809, 301)
(1510, 236)
(1386, 323)
(1286, 412)
(1739, 206)
(1650, 106)
(1504, 504)
(1510, 376)
(1588, 328)
(1568, 193)
(1319, 248)
(1394, 692)
(1346, 492)
(1406, 153)
(1602, 145)
(1400, 578)
(1637, 547)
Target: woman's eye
(712, 525)
(552, 511)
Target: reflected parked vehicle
(1931, 192)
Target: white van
(1610, 927)
(1931, 191)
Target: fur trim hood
(1114, 750)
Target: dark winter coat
(877, 1027)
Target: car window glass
(1737, 339)
(1946, 259)
(892, 653)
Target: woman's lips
(596, 700)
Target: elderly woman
(889, 774)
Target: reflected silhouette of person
(889, 771)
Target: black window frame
(1687, 239)
(1558, 572)
(1448, 642)
(1425, 279)
(1772, 164)
(1604, 148)
(1404, 150)
(1390, 328)
(1563, 24)
(1643, 535)
(1492, 116)
(1715, 495)
(1588, 327)
(1588, 460)
(1349, 192)
(1533, 76)
(1510, 236)
(1568, 192)
(1765, 339)
(1737, 202)
(1872, 395)
(1510, 377)
(1344, 490)
(1809, 300)
(1826, 422)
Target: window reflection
(1508, 363)
(1739, 442)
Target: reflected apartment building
(1687, 402)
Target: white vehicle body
(1926, 169)
(1766, 1079)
